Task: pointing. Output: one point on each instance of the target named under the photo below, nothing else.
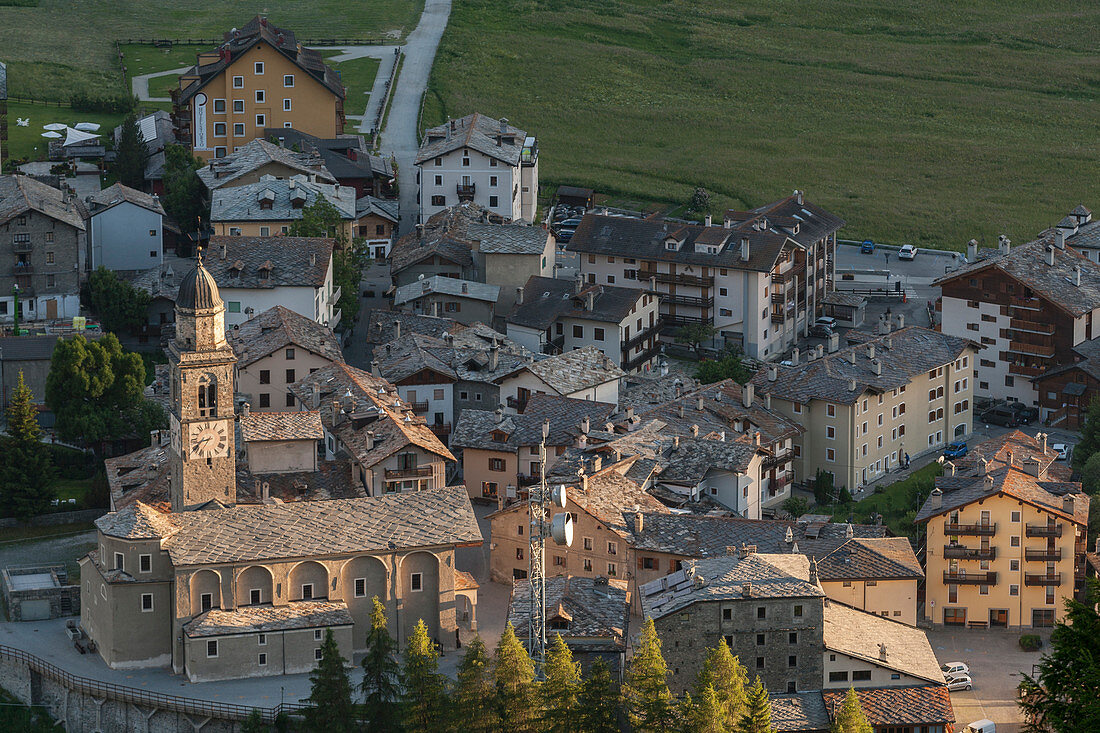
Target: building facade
(125, 229)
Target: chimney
(1010, 458)
(639, 522)
(314, 397)
(768, 401)
(876, 366)
(586, 424)
(1077, 276)
(708, 220)
(680, 410)
(265, 491)
(901, 321)
(1034, 467)
(972, 250)
(699, 404)
(1067, 504)
(882, 651)
(798, 196)
(746, 589)
(675, 441)
(747, 394)
(499, 414)
(154, 438)
(1005, 244)
(578, 284)
(852, 355)
(988, 482)
(744, 249)
(679, 388)
(223, 249)
(494, 357)
(1050, 255)
(983, 466)
(794, 357)
(246, 410)
(834, 344)
(630, 413)
(590, 300)
(519, 296)
(949, 468)
(935, 499)
(813, 578)
(465, 288)
(695, 431)
(653, 283)
(370, 440)
(758, 438)
(851, 385)
(870, 351)
(1042, 438)
(888, 342)
(374, 370)
(397, 329)
(1059, 239)
(503, 125)
(773, 372)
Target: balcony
(1044, 351)
(790, 274)
(960, 552)
(1027, 326)
(667, 277)
(689, 300)
(643, 336)
(465, 191)
(781, 316)
(419, 406)
(1025, 371)
(964, 578)
(782, 479)
(441, 429)
(526, 479)
(517, 404)
(1030, 304)
(22, 268)
(1043, 555)
(975, 529)
(403, 473)
(337, 314)
(1043, 530)
(1042, 579)
(781, 457)
(21, 247)
(681, 320)
(631, 364)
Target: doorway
(998, 617)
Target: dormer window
(559, 624)
(297, 199)
(671, 244)
(266, 198)
(499, 436)
(265, 270)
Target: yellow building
(260, 77)
(1005, 539)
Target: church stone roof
(137, 522)
(198, 290)
(267, 618)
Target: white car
(907, 252)
(952, 669)
(1062, 450)
(961, 682)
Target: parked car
(960, 682)
(821, 331)
(956, 449)
(907, 252)
(868, 247)
(985, 725)
(953, 668)
(1001, 415)
(1024, 414)
(1062, 450)
(826, 321)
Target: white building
(125, 229)
(583, 374)
(480, 159)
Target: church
(237, 542)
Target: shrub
(1031, 642)
(110, 104)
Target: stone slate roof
(861, 635)
(902, 355)
(508, 239)
(380, 329)
(897, 706)
(277, 328)
(111, 196)
(813, 222)
(266, 532)
(293, 261)
(594, 608)
(547, 299)
(645, 239)
(20, 194)
(873, 558)
(446, 286)
(456, 232)
(267, 618)
(576, 370)
(465, 581)
(694, 459)
(242, 203)
(959, 491)
(463, 356)
(34, 348)
(282, 40)
(263, 426)
(1017, 446)
(799, 712)
(475, 427)
(477, 132)
(336, 152)
(254, 155)
(137, 522)
(692, 535)
(385, 208)
(728, 578)
(1027, 264)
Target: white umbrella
(87, 126)
(73, 137)
(54, 126)
(52, 134)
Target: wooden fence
(169, 42)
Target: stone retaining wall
(49, 520)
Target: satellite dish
(561, 529)
(558, 497)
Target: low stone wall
(64, 600)
(49, 520)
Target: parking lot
(996, 663)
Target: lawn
(927, 123)
(59, 46)
(25, 140)
(897, 502)
(358, 76)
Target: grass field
(24, 140)
(60, 46)
(897, 503)
(928, 123)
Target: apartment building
(552, 316)
(260, 77)
(773, 261)
(479, 159)
(1005, 538)
(43, 250)
(1081, 232)
(125, 229)
(274, 350)
(1029, 306)
(865, 407)
(1067, 390)
(585, 374)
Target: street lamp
(886, 255)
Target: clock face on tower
(208, 440)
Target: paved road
(400, 136)
(374, 97)
(140, 84)
(925, 267)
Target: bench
(978, 624)
(79, 647)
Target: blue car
(957, 449)
(867, 248)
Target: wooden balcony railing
(1029, 326)
(419, 406)
(465, 191)
(964, 578)
(1043, 555)
(1043, 579)
(642, 358)
(643, 335)
(402, 473)
(677, 279)
(1043, 530)
(689, 300)
(975, 529)
(961, 552)
(1025, 371)
(1022, 347)
(440, 428)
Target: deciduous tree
(472, 699)
(1089, 444)
(695, 335)
(646, 696)
(424, 703)
(131, 154)
(727, 366)
(560, 690)
(515, 692)
(850, 717)
(184, 198)
(330, 692)
(120, 306)
(599, 701)
(319, 219)
(381, 674)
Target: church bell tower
(201, 361)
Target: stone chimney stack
(935, 499)
(748, 393)
(1042, 438)
(578, 284)
(586, 425)
(744, 249)
(901, 321)
(1077, 276)
(1034, 467)
(370, 440)
(1068, 504)
(834, 344)
(1050, 255)
(397, 329)
(708, 220)
(768, 401)
(1060, 238)
(695, 431)
(246, 410)
(876, 366)
(639, 522)
(773, 372)
(699, 404)
(871, 350)
(852, 356)
(519, 296)
(374, 370)
(972, 250)
(794, 357)
(949, 468)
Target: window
(792, 661)
(796, 408)
(439, 200)
(649, 563)
(798, 611)
(219, 107)
(760, 662)
(1014, 590)
(238, 82)
(761, 612)
(254, 596)
(261, 121)
(492, 180)
(119, 561)
(288, 80)
(219, 129)
(830, 432)
(830, 409)
(238, 129)
(792, 637)
(286, 105)
(494, 201)
(238, 106)
(861, 675)
(259, 68)
(588, 543)
(838, 676)
(587, 565)
(612, 548)
(206, 601)
(212, 648)
(290, 376)
(317, 654)
(1014, 541)
(262, 639)
(612, 569)
(145, 563)
(727, 613)
(598, 334)
(146, 602)
(263, 659)
(830, 455)
(416, 582)
(259, 96)
(496, 464)
(307, 591)
(578, 332)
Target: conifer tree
(380, 674)
(424, 703)
(26, 471)
(513, 684)
(722, 671)
(560, 691)
(850, 717)
(22, 415)
(708, 713)
(472, 700)
(757, 717)
(254, 723)
(131, 154)
(330, 691)
(599, 701)
(647, 699)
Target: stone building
(226, 567)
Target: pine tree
(380, 674)
(131, 154)
(423, 706)
(1090, 437)
(514, 689)
(723, 672)
(850, 717)
(254, 723)
(646, 696)
(599, 701)
(472, 699)
(22, 415)
(757, 717)
(560, 691)
(184, 198)
(26, 470)
(708, 714)
(330, 691)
